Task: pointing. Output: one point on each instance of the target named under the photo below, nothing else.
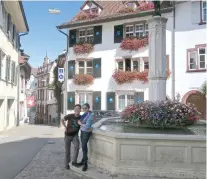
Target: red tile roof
(109, 12)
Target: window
(128, 65)
(125, 100)
(85, 97)
(85, 67)
(138, 30)
(129, 30)
(204, 14)
(146, 65)
(86, 35)
(192, 60)
(197, 58)
(202, 58)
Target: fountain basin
(143, 154)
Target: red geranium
(83, 79)
(133, 43)
(82, 48)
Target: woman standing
(86, 130)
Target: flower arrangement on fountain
(84, 16)
(146, 6)
(83, 48)
(133, 43)
(161, 114)
(122, 77)
(83, 79)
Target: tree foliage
(203, 88)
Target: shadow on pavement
(16, 155)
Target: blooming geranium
(161, 114)
(146, 6)
(122, 77)
(134, 43)
(82, 48)
(83, 79)
(84, 16)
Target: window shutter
(71, 69)
(97, 68)
(138, 97)
(71, 100)
(14, 35)
(195, 12)
(0, 59)
(72, 38)
(97, 100)
(110, 100)
(118, 33)
(98, 34)
(9, 68)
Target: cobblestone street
(48, 164)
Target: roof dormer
(91, 7)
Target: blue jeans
(85, 136)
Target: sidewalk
(49, 164)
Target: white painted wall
(187, 35)
(6, 89)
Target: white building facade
(12, 23)
(45, 99)
(107, 30)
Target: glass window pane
(130, 100)
(89, 71)
(81, 64)
(81, 70)
(192, 66)
(89, 99)
(192, 60)
(89, 63)
(202, 64)
(89, 31)
(120, 65)
(121, 102)
(202, 51)
(81, 98)
(146, 65)
(136, 65)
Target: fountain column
(157, 58)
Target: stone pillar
(157, 58)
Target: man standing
(71, 135)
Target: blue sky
(43, 33)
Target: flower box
(122, 77)
(146, 6)
(161, 114)
(83, 79)
(124, 10)
(133, 43)
(82, 48)
(84, 16)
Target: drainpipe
(18, 75)
(66, 72)
(173, 52)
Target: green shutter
(8, 22)
(97, 68)
(72, 38)
(13, 72)
(9, 68)
(118, 33)
(138, 97)
(97, 100)
(71, 69)
(98, 34)
(71, 100)
(110, 97)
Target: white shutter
(195, 12)
(1, 14)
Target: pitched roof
(110, 13)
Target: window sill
(194, 71)
(202, 23)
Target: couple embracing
(76, 122)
